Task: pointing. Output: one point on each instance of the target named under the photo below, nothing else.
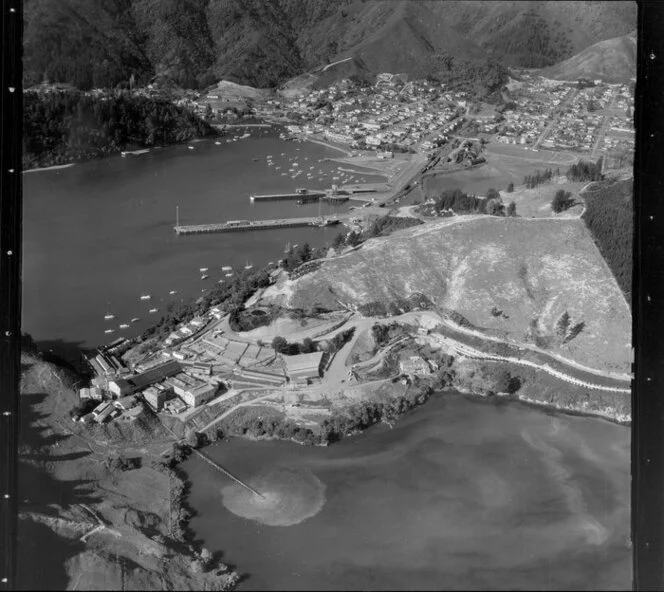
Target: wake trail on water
(288, 496)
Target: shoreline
(324, 143)
(54, 167)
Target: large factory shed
(303, 368)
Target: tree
(338, 240)
(511, 210)
(562, 325)
(354, 239)
(308, 346)
(574, 331)
(492, 194)
(510, 187)
(279, 344)
(495, 207)
(561, 201)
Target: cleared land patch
(532, 271)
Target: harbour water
(99, 235)
(461, 494)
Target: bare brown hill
(613, 60)
(532, 271)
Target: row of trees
(539, 178)
(282, 346)
(461, 202)
(379, 227)
(565, 330)
(61, 127)
(585, 171)
(303, 253)
(360, 417)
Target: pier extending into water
(246, 225)
(227, 473)
(304, 195)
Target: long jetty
(246, 225)
(304, 195)
(228, 474)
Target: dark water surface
(100, 234)
(461, 494)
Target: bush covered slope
(100, 43)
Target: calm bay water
(99, 235)
(460, 494)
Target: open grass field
(532, 271)
(505, 164)
(536, 203)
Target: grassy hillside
(613, 60)
(537, 34)
(531, 270)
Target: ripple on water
(289, 496)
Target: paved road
(602, 129)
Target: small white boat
(226, 268)
(217, 143)
(173, 292)
(229, 275)
(109, 316)
(248, 266)
(124, 326)
(204, 277)
(203, 269)
(135, 320)
(153, 310)
(146, 297)
(190, 147)
(109, 331)
(220, 282)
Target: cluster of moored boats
(310, 171)
(109, 316)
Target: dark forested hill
(265, 42)
(61, 127)
(609, 216)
